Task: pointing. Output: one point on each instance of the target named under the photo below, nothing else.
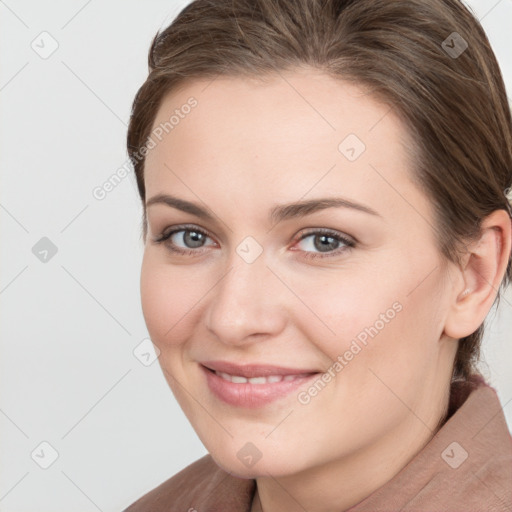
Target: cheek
(164, 300)
(173, 298)
(344, 310)
(371, 322)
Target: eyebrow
(277, 213)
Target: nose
(247, 304)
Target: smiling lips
(252, 385)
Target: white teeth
(237, 379)
(257, 380)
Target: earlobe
(482, 275)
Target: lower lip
(251, 395)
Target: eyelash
(349, 244)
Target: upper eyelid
(187, 228)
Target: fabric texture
(466, 466)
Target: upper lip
(254, 370)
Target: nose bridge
(244, 301)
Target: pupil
(193, 238)
(324, 247)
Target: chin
(275, 466)
(233, 466)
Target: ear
(481, 275)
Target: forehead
(292, 134)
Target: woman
(326, 227)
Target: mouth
(253, 386)
(271, 379)
(255, 370)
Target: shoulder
(467, 465)
(201, 486)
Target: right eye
(192, 237)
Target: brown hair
(454, 104)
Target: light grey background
(69, 325)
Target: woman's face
(349, 299)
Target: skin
(246, 147)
